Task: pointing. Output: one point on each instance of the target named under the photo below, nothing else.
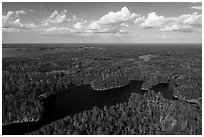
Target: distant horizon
(104, 43)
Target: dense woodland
(150, 114)
(26, 80)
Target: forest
(27, 80)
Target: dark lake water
(82, 98)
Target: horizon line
(99, 43)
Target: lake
(80, 98)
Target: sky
(101, 22)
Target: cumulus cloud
(11, 22)
(11, 15)
(184, 23)
(83, 28)
(60, 32)
(196, 7)
(113, 19)
(111, 23)
(20, 12)
(139, 19)
(58, 18)
(79, 27)
(55, 18)
(114, 23)
(153, 20)
(76, 28)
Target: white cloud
(196, 7)
(112, 30)
(11, 22)
(113, 19)
(59, 29)
(20, 12)
(184, 23)
(162, 36)
(59, 18)
(124, 25)
(8, 17)
(113, 23)
(74, 18)
(177, 27)
(31, 10)
(192, 19)
(7, 30)
(82, 27)
(139, 19)
(153, 20)
(55, 18)
(29, 25)
(78, 26)
(12, 14)
(110, 23)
